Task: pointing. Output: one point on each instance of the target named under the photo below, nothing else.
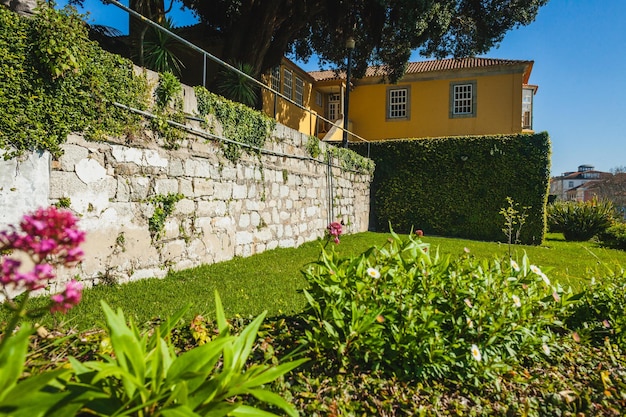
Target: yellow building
(449, 97)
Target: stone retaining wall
(259, 203)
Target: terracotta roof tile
(449, 64)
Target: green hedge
(457, 186)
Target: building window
(463, 99)
(287, 83)
(275, 77)
(570, 184)
(319, 99)
(299, 91)
(527, 108)
(398, 100)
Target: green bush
(457, 186)
(580, 220)
(419, 316)
(600, 312)
(614, 236)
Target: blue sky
(580, 68)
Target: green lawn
(271, 281)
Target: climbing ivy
(350, 160)
(163, 207)
(239, 123)
(168, 106)
(313, 146)
(54, 80)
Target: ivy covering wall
(54, 81)
(458, 186)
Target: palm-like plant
(159, 50)
(237, 87)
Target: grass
(272, 280)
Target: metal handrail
(225, 64)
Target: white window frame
(319, 99)
(463, 99)
(527, 108)
(299, 98)
(398, 103)
(275, 78)
(287, 83)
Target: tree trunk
(22, 7)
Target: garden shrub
(456, 186)
(600, 312)
(614, 236)
(580, 220)
(418, 316)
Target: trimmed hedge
(457, 186)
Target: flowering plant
(333, 231)
(44, 240)
(403, 310)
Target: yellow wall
(499, 108)
(288, 113)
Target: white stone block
(244, 220)
(240, 191)
(72, 154)
(90, 171)
(243, 238)
(166, 186)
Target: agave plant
(159, 50)
(236, 86)
(580, 220)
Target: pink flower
(50, 237)
(334, 229)
(46, 232)
(9, 270)
(67, 299)
(419, 232)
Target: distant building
(579, 185)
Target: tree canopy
(259, 32)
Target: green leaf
(270, 374)
(274, 399)
(12, 357)
(179, 411)
(247, 411)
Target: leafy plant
(143, 376)
(237, 87)
(351, 161)
(420, 316)
(167, 90)
(599, 314)
(411, 189)
(169, 106)
(313, 146)
(49, 238)
(580, 220)
(163, 207)
(614, 236)
(513, 222)
(160, 49)
(248, 129)
(54, 80)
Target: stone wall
(259, 203)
